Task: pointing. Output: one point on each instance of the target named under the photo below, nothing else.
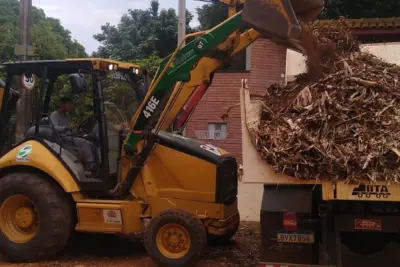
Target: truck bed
(256, 170)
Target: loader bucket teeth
(279, 19)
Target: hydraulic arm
(191, 66)
(173, 69)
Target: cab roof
(56, 68)
(97, 62)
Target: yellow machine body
(39, 158)
(99, 63)
(162, 184)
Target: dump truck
(318, 222)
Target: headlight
(112, 67)
(135, 71)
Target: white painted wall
(390, 52)
(249, 201)
(295, 64)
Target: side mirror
(78, 83)
(145, 86)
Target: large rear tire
(36, 218)
(175, 238)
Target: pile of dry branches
(342, 122)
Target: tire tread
(60, 213)
(199, 241)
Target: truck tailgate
(363, 190)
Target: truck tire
(36, 218)
(175, 238)
(226, 238)
(363, 243)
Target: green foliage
(141, 34)
(47, 45)
(50, 39)
(150, 64)
(122, 95)
(82, 102)
(212, 14)
(8, 37)
(361, 9)
(9, 11)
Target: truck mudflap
(288, 231)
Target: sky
(85, 17)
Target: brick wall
(268, 63)
(223, 93)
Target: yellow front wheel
(175, 238)
(36, 218)
(19, 219)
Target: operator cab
(100, 89)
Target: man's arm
(58, 125)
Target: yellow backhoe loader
(180, 192)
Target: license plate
(366, 224)
(295, 238)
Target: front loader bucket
(279, 19)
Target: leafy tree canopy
(150, 64)
(50, 39)
(361, 9)
(141, 34)
(210, 15)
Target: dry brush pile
(340, 120)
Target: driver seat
(49, 135)
(46, 132)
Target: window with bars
(217, 131)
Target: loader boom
(191, 66)
(173, 69)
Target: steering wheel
(86, 126)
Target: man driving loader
(61, 120)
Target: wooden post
(24, 50)
(182, 20)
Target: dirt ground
(94, 250)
